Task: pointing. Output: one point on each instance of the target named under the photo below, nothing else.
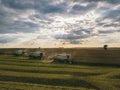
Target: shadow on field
(117, 86)
(97, 64)
(57, 82)
(9, 62)
(8, 88)
(83, 74)
(115, 76)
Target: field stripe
(46, 81)
(29, 86)
(65, 69)
(52, 72)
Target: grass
(20, 73)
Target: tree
(105, 47)
(39, 49)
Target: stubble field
(88, 72)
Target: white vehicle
(20, 52)
(37, 54)
(63, 57)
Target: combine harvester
(37, 55)
(21, 52)
(62, 58)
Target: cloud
(18, 4)
(75, 42)
(82, 9)
(108, 1)
(112, 13)
(58, 8)
(73, 21)
(106, 39)
(43, 6)
(72, 36)
(12, 21)
(7, 39)
(108, 31)
(67, 36)
(18, 26)
(82, 31)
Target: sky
(59, 23)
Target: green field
(20, 73)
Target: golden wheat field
(94, 69)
